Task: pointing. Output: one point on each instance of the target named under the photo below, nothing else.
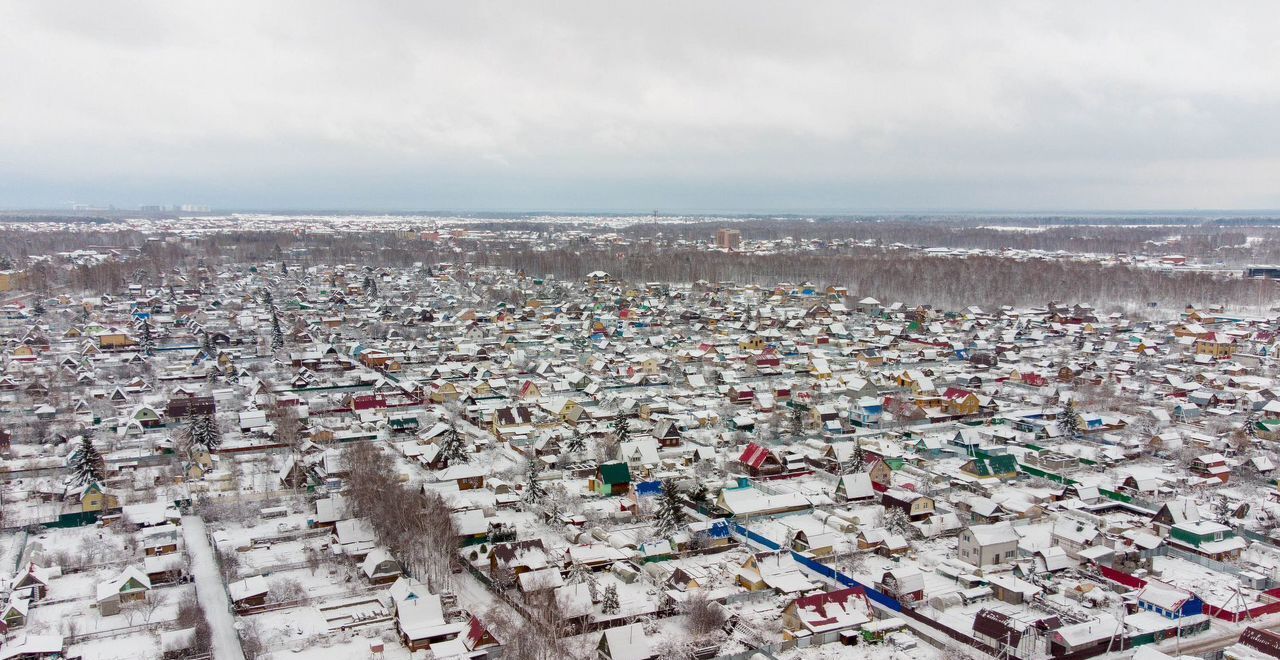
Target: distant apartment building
(9, 280)
(1266, 272)
(729, 239)
(178, 208)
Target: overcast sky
(732, 106)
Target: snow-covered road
(210, 591)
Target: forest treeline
(909, 276)
(885, 273)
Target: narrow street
(210, 591)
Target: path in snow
(210, 591)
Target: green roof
(615, 473)
(1004, 463)
(991, 465)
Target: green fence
(77, 519)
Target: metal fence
(1215, 565)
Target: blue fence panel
(845, 580)
(822, 569)
(649, 488)
(883, 600)
(754, 537)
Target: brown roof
(1262, 641)
(996, 625)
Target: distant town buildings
(179, 208)
(729, 239)
(1265, 272)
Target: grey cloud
(589, 105)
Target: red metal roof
(754, 455)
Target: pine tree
(203, 432)
(621, 429)
(896, 521)
(267, 299)
(453, 448)
(797, 419)
(610, 604)
(1070, 424)
(859, 457)
(284, 268)
(671, 516)
(534, 493)
(206, 346)
(593, 588)
(146, 342)
(87, 464)
(576, 443)
(370, 286)
(38, 308)
(700, 493)
(579, 573)
(277, 334)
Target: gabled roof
(1263, 641)
(995, 533)
(615, 473)
(836, 609)
(754, 455)
(247, 588)
(627, 643)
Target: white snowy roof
(628, 643)
(247, 588)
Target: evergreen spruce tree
(593, 588)
(621, 429)
(146, 342)
(38, 308)
(671, 516)
(859, 457)
(277, 334)
(576, 443)
(87, 465)
(610, 604)
(1070, 423)
(797, 419)
(579, 573)
(534, 493)
(896, 521)
(700, 493)
(267, 299)
(284, 268)
(453, 448)
(203, 432)
(206, 346)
